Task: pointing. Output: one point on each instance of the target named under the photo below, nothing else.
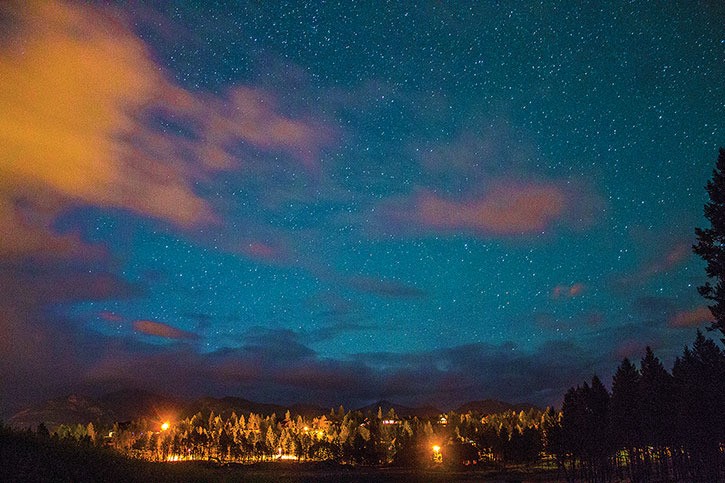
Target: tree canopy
(710, 244)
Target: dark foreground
(27, 457)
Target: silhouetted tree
(699, 378)
(711, 244)
(655, 389)
(584, 433)
(625, 417)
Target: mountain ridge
(131, 404)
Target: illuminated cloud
(110, 316)
(81, 92)
(691, 318)
(567, 291)
(158, 329)
(75, 80)
(507, 209)
(277, 252)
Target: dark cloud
(654, 310)
(274, 365)
(275, 345)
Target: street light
(437, 456)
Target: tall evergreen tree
(655, 397)
(699, 377)
(625, 408)
(710, 244)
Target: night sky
(341, 202)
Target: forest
(654, 425)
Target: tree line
(654, 425)
(344, 437)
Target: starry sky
(338, 202)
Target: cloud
(275, 344)
(337, 329)
(278, 252)
(38, 344)
(664, 261)
(75, 82)
(567, 291)
(90, 118)
(630, 348)
(159, 329)
(507, 208)
(110, 316)
(691, 318)
(275, 365)
(477, 154)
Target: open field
(309, 472)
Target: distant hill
(400, 410)
(116, 406)
(134, 404)
(66, 410)
(492, 406)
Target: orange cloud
(159, 329)
(664, 262)
(691, 318)
(74, 83)
(78, 88)
(509, 208)
(110, 316)
(260, 250)
(567, 291)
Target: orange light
(436, 448)
(165, 426)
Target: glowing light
(437, 456)
(165, 426)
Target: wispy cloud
(696, 317)
(159, 329)
(663, 261)
(508, 208)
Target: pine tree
(625, 422)
(710, 244)
(699, 377)
(655, 396)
